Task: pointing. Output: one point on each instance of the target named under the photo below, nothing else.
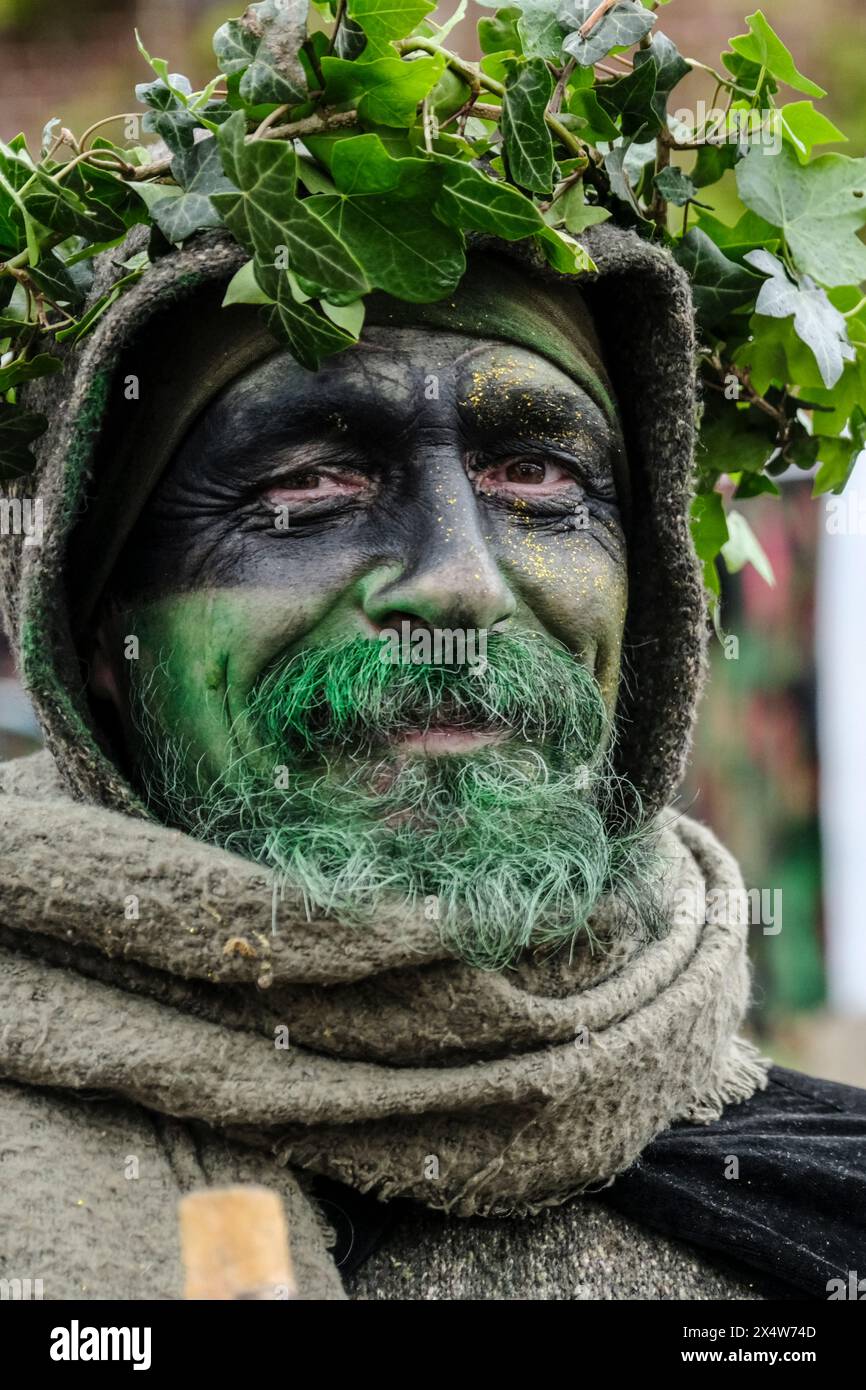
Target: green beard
(507, 847)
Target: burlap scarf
(140, 964)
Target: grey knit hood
(641, 306)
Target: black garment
(796, 1211)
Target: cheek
(200, 653)
(577, 590)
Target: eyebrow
(527, 408)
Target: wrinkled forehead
(399, 377)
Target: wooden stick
(235, 1244)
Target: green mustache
(351, 696)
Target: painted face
(425, 479)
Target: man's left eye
(313, 484)
(525, 475)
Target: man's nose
(448, 576)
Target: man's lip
(441, 739)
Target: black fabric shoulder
(777, 1184)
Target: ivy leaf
(753, 78)
(620, 27)
(18, 429)
(310, 335)
(539, 31)
(805, 127)
(402, 250)
(387, 91)
(816, 321)
(719, 285)
(362, 164)
(819, 207)
(500, 34)
(632, 99)
(470, 199)
(384, 20)
(199, 171)
(743, 548)
(564, 253)
(713, 161)
(22, 369)
(265, 214)
(572, 211)
(838, 457)
(763, 47)
(583, 102)
(58, 208)
(528, 146)
(734, 439)
(671, 67)
(264, 45)
(164, 96)
(709, 532)
(244, 288)
(675, 186)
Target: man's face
(423, 478)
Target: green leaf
(539, 30)
(387, 91)
(18, 429)
(55, 206)
(734, 439)
(349, 317)
(762, 46)
(200, 173)
(675, 186)
(384, 20)
(472, 200)
(244, 288)
(747, 233)
(819, 207)
(750, 76)
(816, 321)
(804, 127)
(838, 457)
(564, 253)
(528, 146)
(743, 548)
(712, 162)
(22, 369)
(265, 215)
(572, 211)
(719, 285)
(632, 100)
(362, 164)
(499, 34)
(671, 67)
(584, 103)
(402, 250)
(310, 335)
(620, 27)
(264, 45)
(709, 532)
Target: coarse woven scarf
(137, 963)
